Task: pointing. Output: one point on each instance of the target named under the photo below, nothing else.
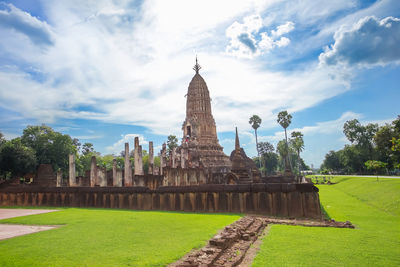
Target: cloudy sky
(106, 71)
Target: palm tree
(297, 143)
(255, 122)
(284, 119)
(283, 151)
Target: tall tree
(2, 139)
(172, 142)
(87, 148)
(297, 143)
(332, 161)
(17, 158)
(50, 147)
(265, 147)
(255, 122)
(285, 119)
(283, 151)
(359, 134)
(268, 157)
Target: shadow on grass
(325, 214)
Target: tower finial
(237, 144)
(196, 67)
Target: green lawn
(95, 237)
(372, 206)
(91, 237)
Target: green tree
(265, 147)
(85, 161)
(17, 158)
(285, 119)
(375, 165)
(268, 157)
(172, 142)
(106, 161)
(360, 135)
(395, 144)
(297, 142)
(50, 147)
(87, 148)
(383, 143)
(332, 161)
(255, 122)
(2, 140)
(283, 151)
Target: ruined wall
(45, 176)
(285, 200)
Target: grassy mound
(372, 206)
(97, 237)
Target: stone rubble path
(229, 247)
(13, 230)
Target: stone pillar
(128, 169)
(139, 168)
(102, 176)
(184, 156)
(59, 178)
(163, 158)
(161, 164)
(114, 173)
(151, 158)
(72, 176)
(119, 178)
(173, 158)
(93, 172)
(138, 158)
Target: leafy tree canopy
(172, 142)
(17, 158)
(50, 147)
(255, 121)
(284, 119)
(265, 147)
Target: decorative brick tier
(282, 200)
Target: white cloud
(283, 29)
(119, 146)
(13, 18)
(131, 65)
(282, 42)
(369, 42)
(247, 39)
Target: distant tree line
(286, 156)
(373, 149)
(42, 145)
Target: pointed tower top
(196, 67)
(237, 144)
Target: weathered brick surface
(228, 247)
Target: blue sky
(107, 71)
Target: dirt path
(10, 213)
(13, 230)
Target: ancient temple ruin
(195, 176)
(200, 158)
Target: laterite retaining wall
(284, 200)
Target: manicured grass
(99, 237)
(372, 206)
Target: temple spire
(197, 67)
(237, 144)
